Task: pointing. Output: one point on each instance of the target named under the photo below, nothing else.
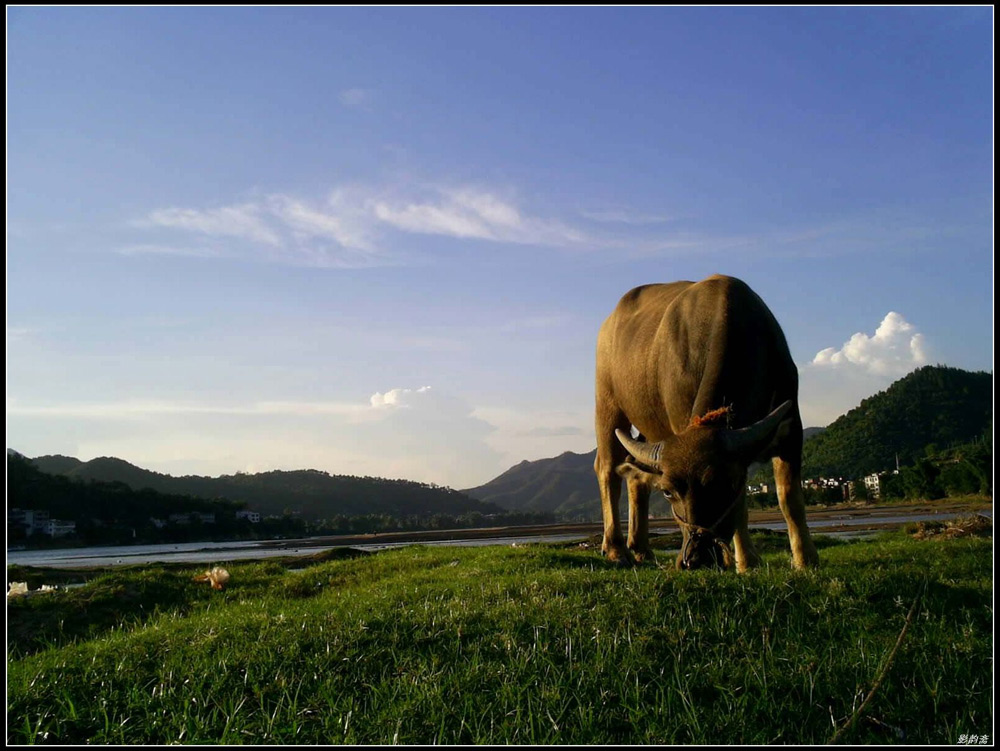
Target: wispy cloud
(475, 214)
(359, 226)
(336, 232)
(341, 218)
(350, 227)
(244, 222)
(896, 348)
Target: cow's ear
(629, 471)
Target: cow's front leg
(609, 454)
(638, 521)
(746, 556)
(787, 476)
(613, 546)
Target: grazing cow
(703, 373)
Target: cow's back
(672, 351)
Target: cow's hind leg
(610, 453)
(638, 521)
(788, 478)
(746, 556)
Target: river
(845, 524)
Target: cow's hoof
(618, 554)
(643, 556)
(747, 564)
(805, 559)
(805, 563)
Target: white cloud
(837, 379)
(895, 349)
(398, 398)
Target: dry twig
(885, 669)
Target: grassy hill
(501, 645)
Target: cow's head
(702, 472)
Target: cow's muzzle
(702, 549)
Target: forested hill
(311, 493)
(932, 405)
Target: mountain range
(933, 405)
(311, 493)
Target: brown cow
(703, 373)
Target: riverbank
(837, 520)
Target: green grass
(536, 644)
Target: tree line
(112, 513)
(961, 470)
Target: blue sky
(382, 240)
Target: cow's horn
(753, 439)
(645, 453)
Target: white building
(873, 486)
(252, 516)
